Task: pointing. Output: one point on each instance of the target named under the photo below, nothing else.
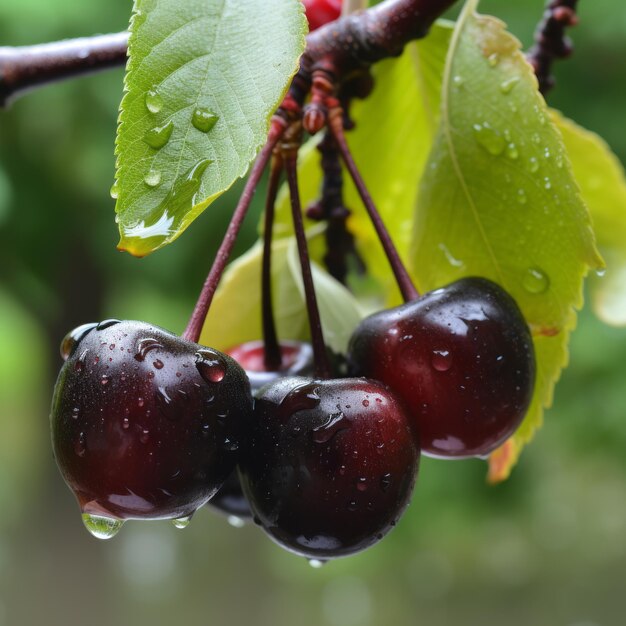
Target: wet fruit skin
(462, 359)
(145, 424)
(297, 360)
(329, 465)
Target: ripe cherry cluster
(322, 453)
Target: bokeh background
(546, 548)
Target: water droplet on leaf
(204, 119)
(158, 136)
(489, 138)
(152, 178)
(535, 281)
(154, 102)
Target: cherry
(320, 12)
(462, 359)
(297, 359)
(145, 424)
(329, 465)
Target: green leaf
(203, 79)
(602, 182)
(391, 141)
(499, 199)
(235, 315)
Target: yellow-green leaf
(498, 199)
(235, 315)
(602, 182)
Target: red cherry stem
(194, 328)
(273, 356)
(320, 356)
(407, 288)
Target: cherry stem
(320, 356)
(407, 288)
(272, 353)
(194, 328)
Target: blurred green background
(546, 548)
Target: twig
(194, 328)
(26, 67)
(551, 42)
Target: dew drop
(102, 527)
(204, 119)
(80, 446)
(73, 338)
(493, 59)
(547, 183)
(154, 102)
(158, 364)
(316, 563)
(146, 345)
(125, 423)
(522, 198)
(601, 272)
(158, 136)
(458, 80)
(361, 484)
(366, 403)
(506, 86)
(152, 178)
(533, 164)
(182, 522)
(489, 138)
(140, 402)
(385, 482)
(230, 445)
(114, 191)
(144, 436)
(536, 138)
(535, 281)
(334, 424)
(104, 380)
(211, 365)
(441, 360)
(512, 151)
(236, 522)
(75, 412)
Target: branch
(26, 67)
(346, 45)
(551, 42)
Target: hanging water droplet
(535, 281)
(114, 191)
(316, 563)
(493, 59)
(601, 272)
(204, 119)
(521, 196)
(154, 102)
(211, 365)
(182, 522)
(533, 164)
(102, 527)
(512, 151)
(73, 338)
(441, 360)
(489, 138)
(158, 136)
(361, 483)
(506, 86)
(236, 522)
(152, 178)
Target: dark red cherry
(320, 12)
(462, 359)
(145, 424)
(329, 465)
(297, 360)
